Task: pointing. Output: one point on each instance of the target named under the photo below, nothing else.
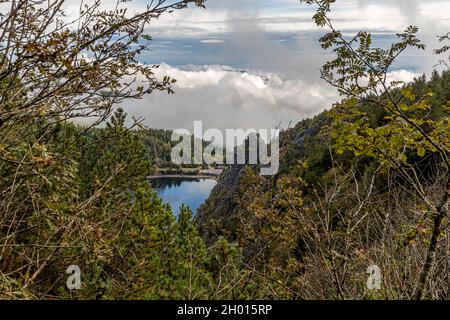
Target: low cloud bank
(223, 97)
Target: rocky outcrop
(216, 215)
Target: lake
(177, 191)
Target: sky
(254, 63)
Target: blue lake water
(192, 192)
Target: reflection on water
(192, 192)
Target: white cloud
(223, 97)
(291, 16)
(404, 76)
(212, 41)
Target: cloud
(212, 41)
(283, 15)
(281, 35)
(404, 76)
(223, 97)
(291, 16)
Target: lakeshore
(187, 174)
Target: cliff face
(216, 215)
